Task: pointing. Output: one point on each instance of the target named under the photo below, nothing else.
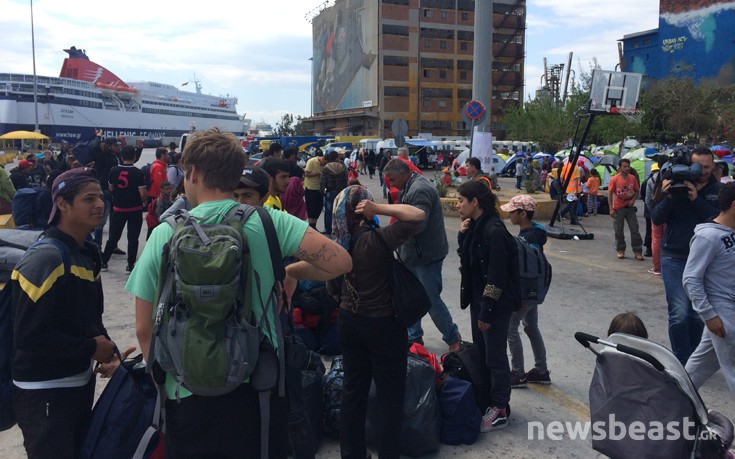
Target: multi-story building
(693, 40)
(379, 60)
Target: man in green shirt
(228, 425)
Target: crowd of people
(211, 177)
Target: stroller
(639, 381)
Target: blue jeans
(328, 206)
(107, 197)
(685, 326)
(431, 277)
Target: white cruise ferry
(87, 96)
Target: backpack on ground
(7, 414)
(146, 170)
(460, 415)
(125, 421)
(535, 272)
(205, 332)
(333, 385)
(466, 363)
(32, 207)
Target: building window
(427, 43)
(465, 16)
(463, 45)
(463, 74)
(442, 44)
(427, 73)
(427, 13)
(443, 74)
(646, 42)
(443, 15)
(442, 103)
(425, 102)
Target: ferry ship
(86, 96)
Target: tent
(643, 167)
(727, 159)
(541, 156)
(23, 135)
(606, 172)
(582, 160)
(606, 160)
(639, 153)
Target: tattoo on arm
(325, 252)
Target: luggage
(125, 420)
(32, 208)
(315, 318)
(420, 351)
(421, 427)
(313, 387)
(460, 415)
(333, 384)
(13, 244)
(466, 364)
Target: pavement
(590, 286)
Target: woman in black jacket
(491, 288)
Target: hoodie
(534, 235)
(333, 178)
(708, 273)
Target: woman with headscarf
(490, 286)
(373, 342)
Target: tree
(301, 128)
(284, 128)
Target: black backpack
(535, 272)
(466, 363)
(146, 170)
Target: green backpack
(204, 328)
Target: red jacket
(158, 176)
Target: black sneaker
(118, 251)
(103, 267)
(129, 268)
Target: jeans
(328, 207)
(107, 198)
(374, 348)
(54, 422)
(657, 235)
(529, 316)
(227, 426)
(430, 276)
(627, 214)
(519, 181)
(685, 326)
(492, 346)
(118, 220)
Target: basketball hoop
(633, 115)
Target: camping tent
(606, 172)
(606, 160)
(643, 167)
(639, 153)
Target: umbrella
(727, 159)
(23, 135)
(542, 155)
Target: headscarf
(345, 221)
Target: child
(593, 185)
(629, 323)
(521, 208)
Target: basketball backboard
(614, 89)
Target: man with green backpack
(207, 297)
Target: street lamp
(311, 87)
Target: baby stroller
(639, 381)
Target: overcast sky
(259, 50)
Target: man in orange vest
(574, 188)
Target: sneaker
(518, 380)
(118, 251)
(103, 267)
(494, 419)
(654, 272)
(639, 256)
(537, 376)
(621, 254)
(129, 268)
(648, 253)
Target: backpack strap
(63, 249)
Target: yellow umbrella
(23, 135)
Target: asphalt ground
(590, 286)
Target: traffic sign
(399, 127)
(474, 110)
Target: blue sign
(474, 110)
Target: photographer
(690, 197)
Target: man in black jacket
(681, 212)
(105, 158)
(57, 323)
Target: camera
(679, 169)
